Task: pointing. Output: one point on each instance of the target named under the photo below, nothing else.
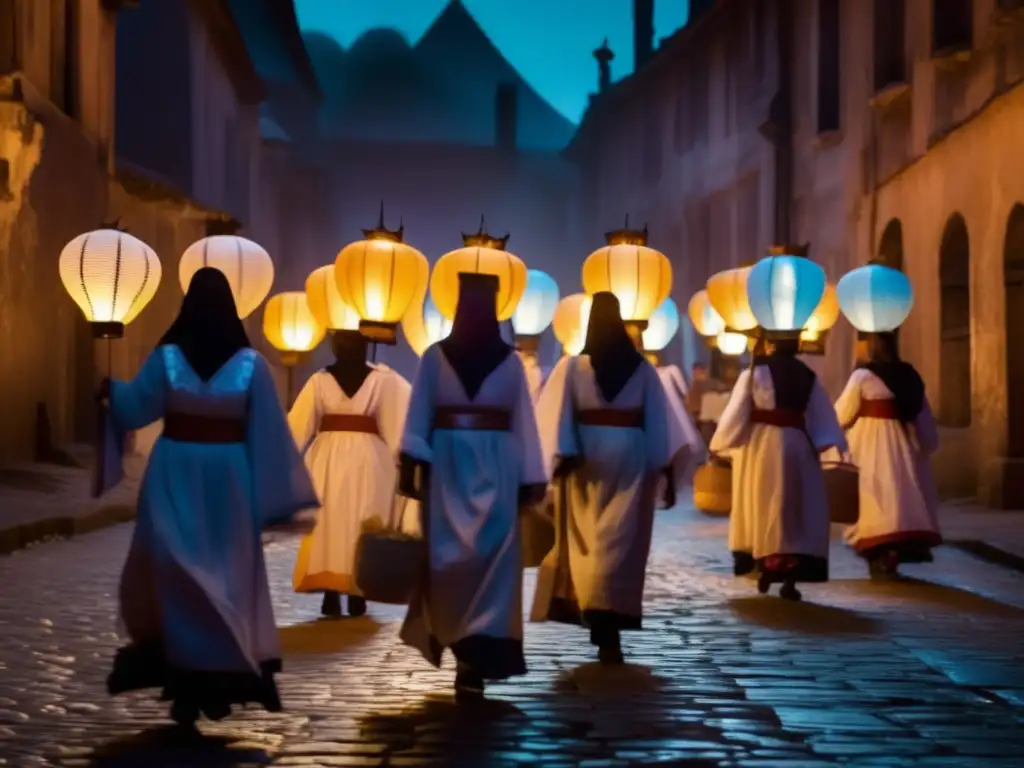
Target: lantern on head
(706, 321)
(727, 292)
(815, 331)
(289, 325)
(111, 276)
(639, 276)
(784, 289)
(875, 298)
(570, 322)
(535, 311)
(378, 277)
(325, 302)
(416, 332)
(437, 325)
(247, 266)
(661, 327)
(485, 254)
(731, 343)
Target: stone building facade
(870, 129)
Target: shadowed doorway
(1013, 254)
(955, 324)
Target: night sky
(548, 41)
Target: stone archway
(1013, 255)
(955, 324)
(890, 246)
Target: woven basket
(389, 566)
(712, 488)
(842, 485)
(538, 538)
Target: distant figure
(194, 594)
(892, 433)
(347, 421)
(608, 434)
(778, 422)
(471, 454)
(694, 446)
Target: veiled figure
(194, 597)
(608, 433)
(471, 454)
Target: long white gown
(898, 497)
(472, 599)
(604, 509)
(194, 594)
(779, 516)
(353, 472)
(686, 459)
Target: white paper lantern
(536, 309)
(247, 266)
(662, 326)
(437, 326)
(784, 290)
(111, 276)
(875, 298)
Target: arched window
(955, 324)
(890, 246)
(1013, 254)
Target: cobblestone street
(926, 672)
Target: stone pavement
(924, 673)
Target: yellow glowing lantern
(639, 276)
(732, 344)
(825, 315)
(570, 323)
(414, 325)
(727, 292)
(325, 302)
(706, 321)
(111, 276)
(379, 278)
(289, 325)
(247, 266)
(484, 254)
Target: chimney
(643, 32)
(505, 115)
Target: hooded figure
(892, 433)
(607, 431)
(471, 455)
(776, 425)
(347, 420)
(194, 595)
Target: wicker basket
(712, 488)
(389, 565)
(842, 485)
(538, 531)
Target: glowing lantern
(379, 278)
(639, 276)
(706, 321)
(536, 309)
(485, 254)
(247, 266)
(784, 289)
(727, 292)
(732, 344)
(875, 298)
(437, 325)
(413, 326)
(329, 309)
(111, 276)
(570, 322)
(289, 324)
(662, 326)
(812, 338)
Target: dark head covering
(792, 380)
(474, 348)
(349, 368)
(207, 329)
(899, 376)
(613, 355)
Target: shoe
(763, 584)
(790, 592)
(331, 606)
(356, 605)
(611, 656)
(469, 684)
(184, 714)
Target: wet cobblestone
(923, 673)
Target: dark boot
(184, 713)
(763, 584)
(789, 591)
(356, 605)
(609, 646)
(468, 682)
(331, 606)
(884, 566)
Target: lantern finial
(380, 232)
(114, 226)
(627, 236)
(484, 240)
(790, 250)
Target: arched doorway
(1013, 254)
(955, 324)
(890, 247)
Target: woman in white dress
(471, 454)
(892, 433)
(347, 421)
(777, 423)
(194, 595)
(609, 435)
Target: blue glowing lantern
(662, 326)
(784, 289)
(537, 308)
(436, 325)
(875, 298)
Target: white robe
(195, 582)
(779, 504)
(604, 510)
(353, 472)
(472, 598)
(898, 497)
(684, 461)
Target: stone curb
(22, 535)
